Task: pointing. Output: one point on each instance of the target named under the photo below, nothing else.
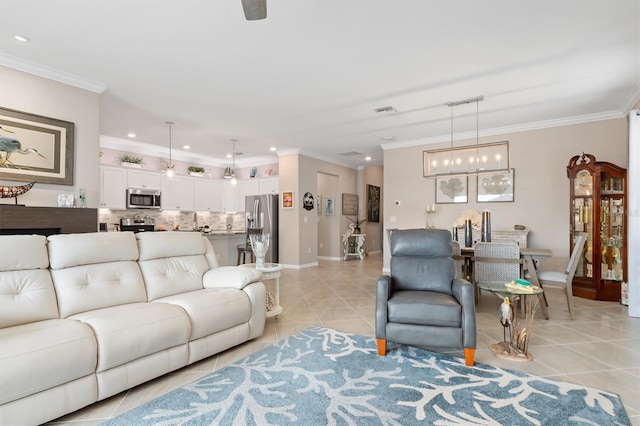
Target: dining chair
(461, 271)
(495, 262)
(563, 279)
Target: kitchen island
(225, 244)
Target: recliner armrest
(463, 291)
(383, 292)
(230, 276)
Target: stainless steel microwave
(143, 198)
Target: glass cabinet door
(583, 219)
(611, 227)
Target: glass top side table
(516, 348)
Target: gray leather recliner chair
(422, 303)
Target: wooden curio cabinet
(599, 208)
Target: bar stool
(245, 249)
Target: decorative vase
(253, 172)
(486, 227)
(455, 233)
(468, 233)
(260, 246)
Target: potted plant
(130, 160)
(357, 222)
(196, 170)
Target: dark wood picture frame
(373, 203)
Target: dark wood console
(47, 220)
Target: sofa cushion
(213, 310)
(172, 262)
(41, 355)
(158, 245)
(89, 287)
(128, 332)
(13, 250)
(26, 296)
(68, 250)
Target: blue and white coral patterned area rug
(327, 377)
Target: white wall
(539, 158)
(25, 92)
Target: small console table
(358, 239)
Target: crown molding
(632, 100)
(51, 74)
(567, 121)
(314, 155)
(151, 150)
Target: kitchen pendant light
(170, 171)
(230, 172)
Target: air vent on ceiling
(387, 108)
(350, 153)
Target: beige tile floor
(600, 348)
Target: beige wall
(299, 227)
(372, 176)
(539, 158)
(36, 95)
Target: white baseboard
(303, 266)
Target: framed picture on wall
(36, 148)
(287, 200)
(350, 204)
(319, 203)
(329, 206)
(373, 203)
(496, 187)
(452, 189)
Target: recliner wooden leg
(469, 356)
(382, 347)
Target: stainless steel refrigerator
(262, 212)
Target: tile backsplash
(176, 220)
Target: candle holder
(431, 209)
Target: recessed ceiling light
(229, 156)
(131, 135)
(273, 148)
(21, 38)
(186, 147)
(367, 158)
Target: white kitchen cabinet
(178, 193)
(247, 187)
(144, 179)
(113, 187)
(268, 185)
(230, 197)
(208, 195)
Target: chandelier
(470, 159)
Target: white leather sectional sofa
(86, 316)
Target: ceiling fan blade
(254, 9)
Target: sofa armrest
(463, 291)
(230, 276)
(383, 292)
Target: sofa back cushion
(95, 270)
(173, 262)
(26, 290)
